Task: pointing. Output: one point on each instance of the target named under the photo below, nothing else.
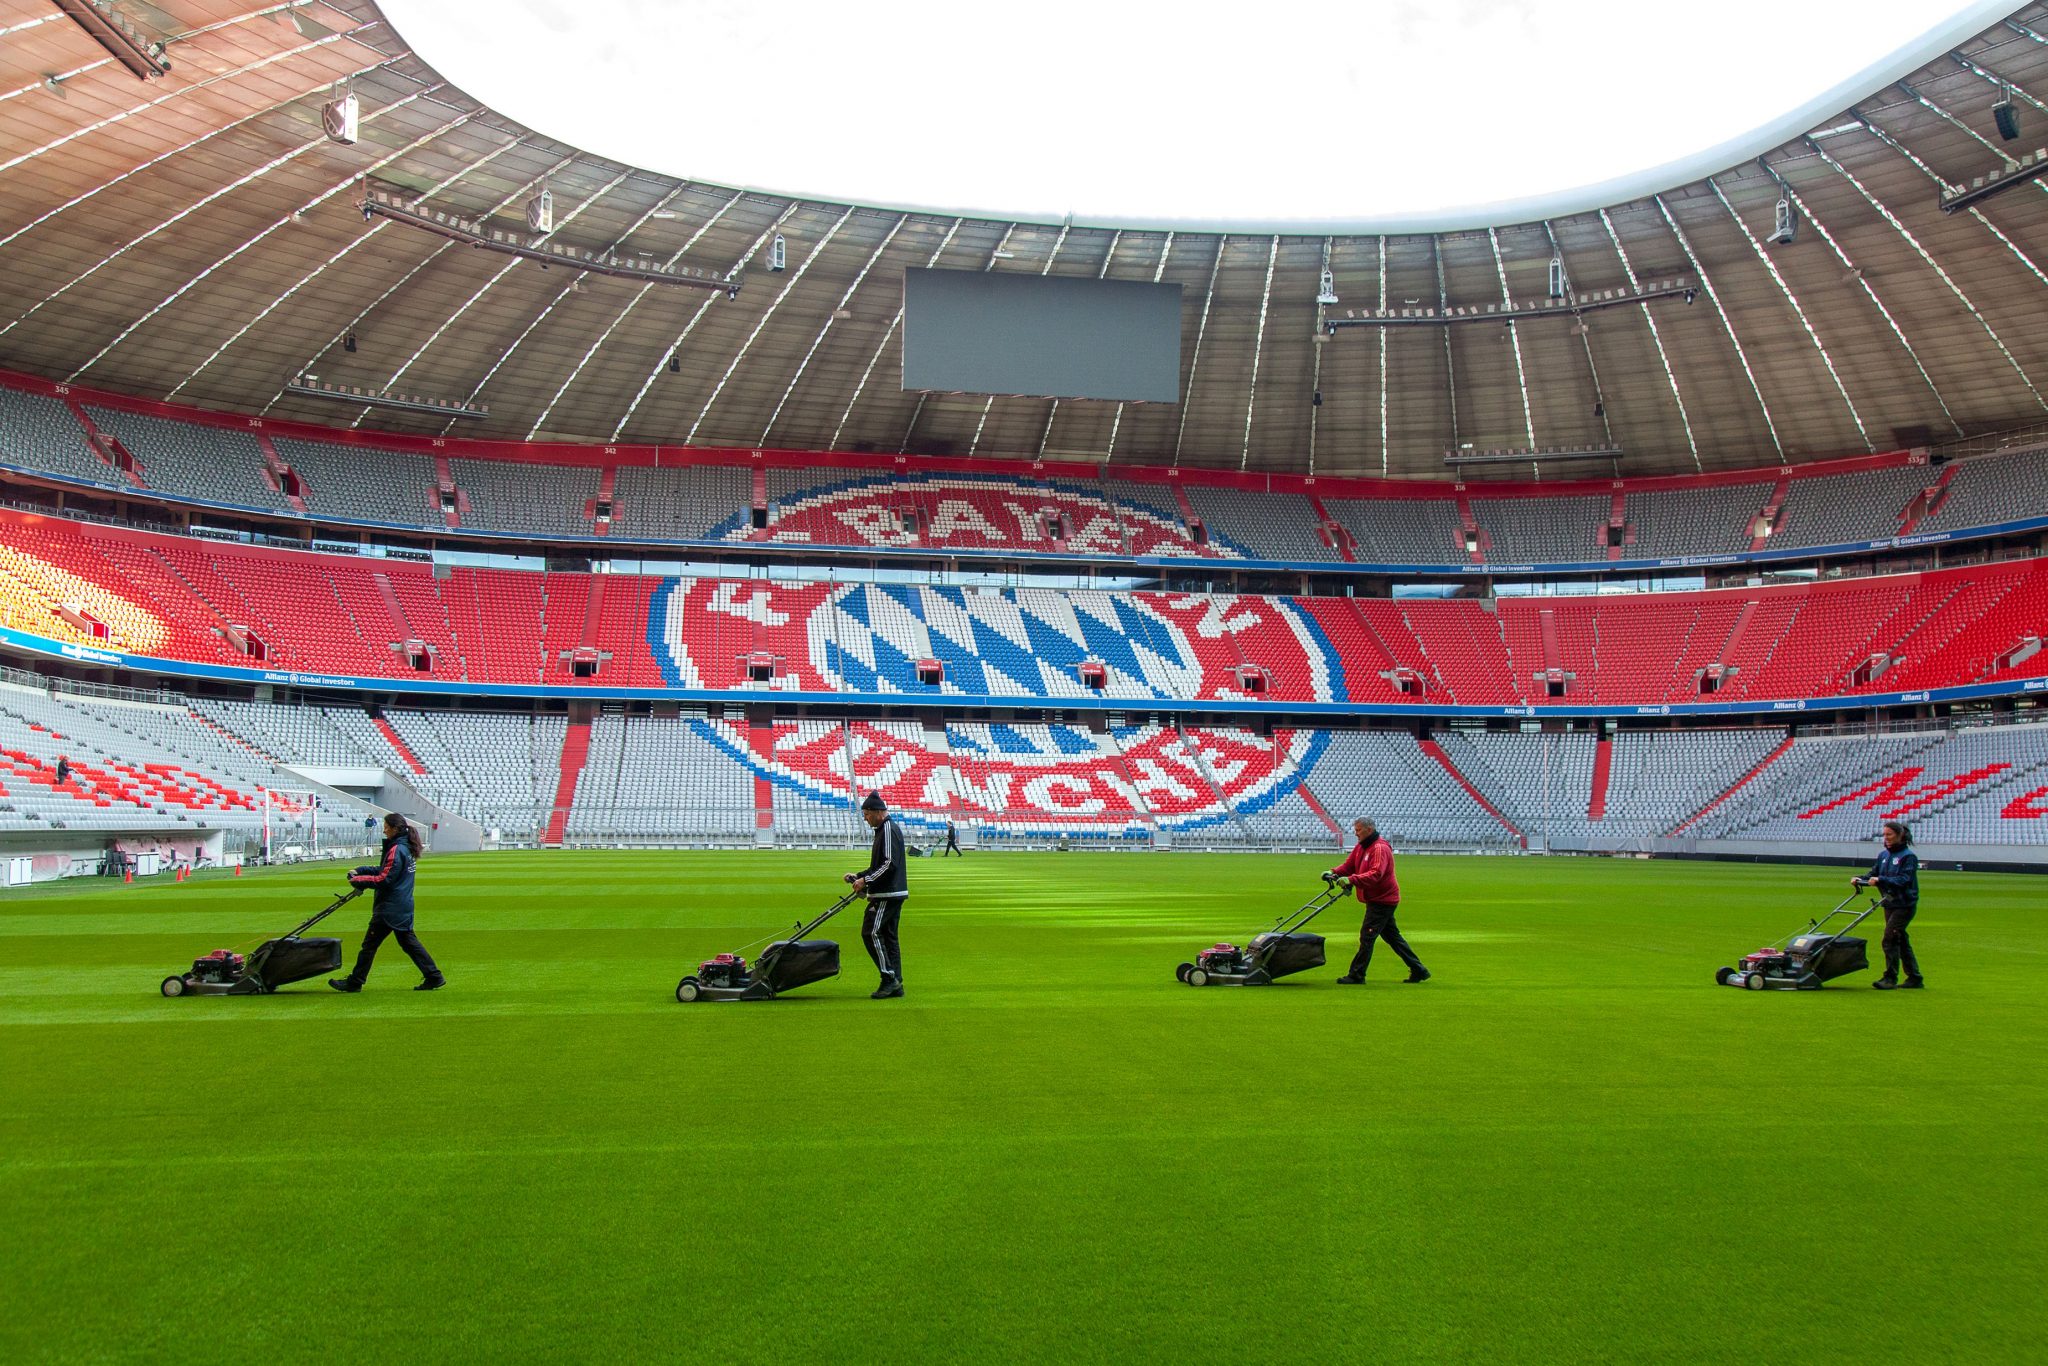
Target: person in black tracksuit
(1896, 875)
(952, 841)
(886, 886)
(392, 912)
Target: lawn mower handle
(1814, 926)
(1314, 906)
(835, 908)
(342, 900)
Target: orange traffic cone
(127, 876)
(238, 870)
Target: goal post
(291, 816)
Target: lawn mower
(1810, 958)
(1279, 952)
(274, 963)
(783, 966)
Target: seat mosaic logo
(1020, 777)
(1027, 644)
(962, 512)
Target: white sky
(1278, 111)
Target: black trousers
(878, 932)
(373, 939)
(952, 845)
(1898, 945)
(1379, 924)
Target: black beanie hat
(874, 802)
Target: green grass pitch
(1569, 1146)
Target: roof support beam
(166, 155)
(168, 95)
(1933, 265)
(795, 278)
(1201, 331)
(1315, 377)
(181, 215)
(568, 288)
(1888, 140)
(620, 317)
(485, 288)
(335, 259)
(1585, 342)
(280, 224)
(888, 333)
(1852, 271)
(788, 211)
(819, 340)
(1663, 357)
(1500, 267)
(1383, 358)
(1804, 321)
(1443, 305)
(406, 278)
(360, 238)
(1251, 399)
(1714, 297)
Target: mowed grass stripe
(1569, 1146)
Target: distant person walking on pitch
(886, 886)
(952, 840)
(392, 913)
(1896, 875)
(1371, 870)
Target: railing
(29, 678)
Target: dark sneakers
(1347, 980)
(1421, 975)
(344, 984)
(1910, 984)
(888, 991)
(432, 984)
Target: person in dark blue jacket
(1896, 875)
(886, 886)
(392, 913)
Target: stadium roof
(196, 236)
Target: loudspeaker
(2007, 118)
(340, 118)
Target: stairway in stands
(397, 742)
(1436, 752)
(575, 751)
(1603, 769)
(1744, 781)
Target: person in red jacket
(1371, 870)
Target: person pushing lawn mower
(886, 886)
(1371, 871)
(391, 881)
(1896, 875)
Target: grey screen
(1044, 336)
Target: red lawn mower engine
(1222, 958)
(220, 967)
(1763, 960)
(726, 970)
